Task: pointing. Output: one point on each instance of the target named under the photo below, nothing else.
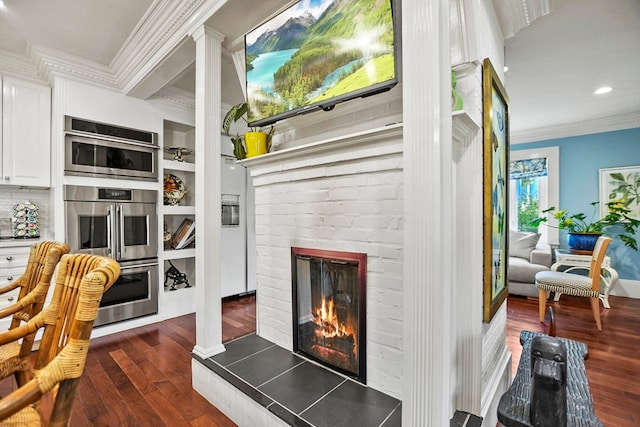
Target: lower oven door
(134, 294)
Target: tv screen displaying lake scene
(316, 54)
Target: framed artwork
(495, 124)
(620, 185)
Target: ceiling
(555, 64)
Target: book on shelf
(190, 243)
(185, 233)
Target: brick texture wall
(351, 202)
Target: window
(533, 186)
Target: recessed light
(506, 68)
(602, 90)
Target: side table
(569, 262)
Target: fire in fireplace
(329, 304)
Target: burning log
(344, 345)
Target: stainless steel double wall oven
(121, 223)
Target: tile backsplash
(9, 197)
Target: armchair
(67, 323)
(527, 257)
(34, 284)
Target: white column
(207, 155)
(427, 398)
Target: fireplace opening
(329, 308)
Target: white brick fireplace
(342, 194)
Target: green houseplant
(618, 215)
(254, 142)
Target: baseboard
(498, 386)
(627, 288)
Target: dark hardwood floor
(613, 363)
(142, 377)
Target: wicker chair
(575, 284)
(67, 323)
(34, 285)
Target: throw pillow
(521, 244)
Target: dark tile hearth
(298, 391)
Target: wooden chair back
(43, 259)
(34, 284)
(597, 258)
(67, 322)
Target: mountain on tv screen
(316, 54)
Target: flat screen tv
(318, 53)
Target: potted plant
(584, 233)
(255, 143)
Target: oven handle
(109, 231)
(130, 267)
(121, 247)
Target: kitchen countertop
(6, 242)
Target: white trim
(586, 127)
(429, 232)
(205, 353)
(627, 288)
(514, 15)
(493, 391)
(208, 118)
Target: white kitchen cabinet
(13, 263)
(26, 133)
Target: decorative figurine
(179, 152)
(178, 277)
(548, 382)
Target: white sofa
(522, 271)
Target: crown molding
(586, 127)
(51, 63)
(161, 31)
(514, 15)
(176, 96)
(165, 25)
(19, 66)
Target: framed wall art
(620, 185)
(495, 105)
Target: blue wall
(581, 158)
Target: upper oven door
(90, 227)
(137, 234)
(100, 157)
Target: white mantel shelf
(464, 126)
(370, 143)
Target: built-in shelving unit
(179, 293)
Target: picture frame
(620, 184)
(495, 115)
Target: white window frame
(548, 189)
